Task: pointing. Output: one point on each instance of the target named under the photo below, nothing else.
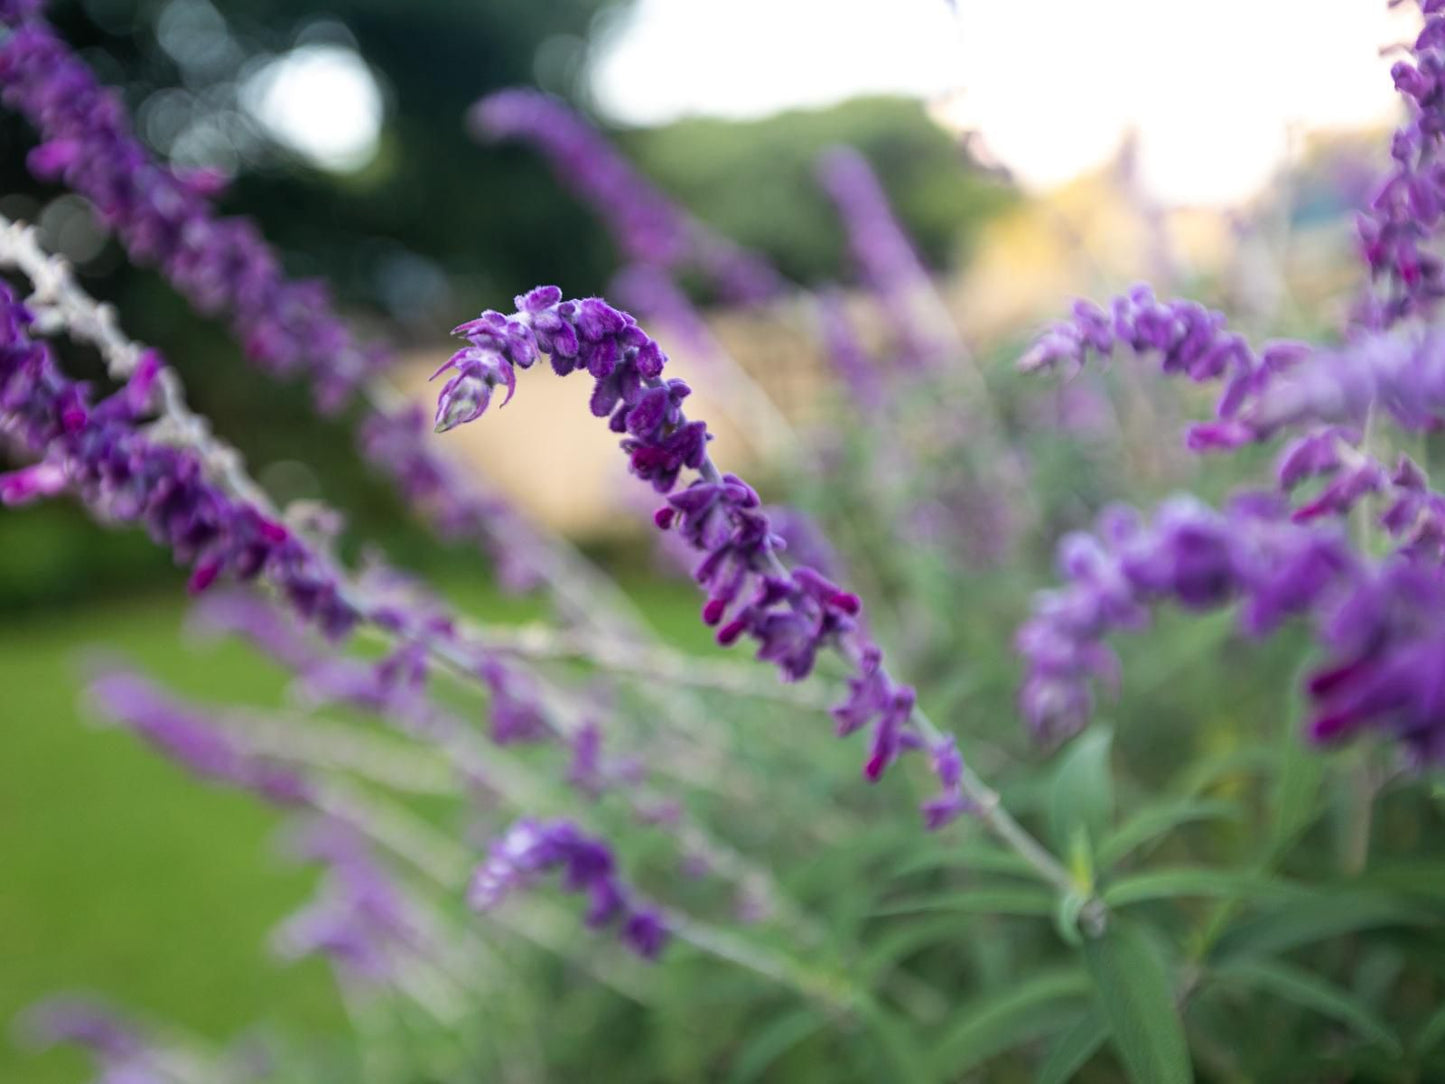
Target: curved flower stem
(541, 643)
(988, 807)
(64, 304)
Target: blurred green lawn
(124, 877)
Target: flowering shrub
(1215, 871)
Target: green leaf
(990, 900)
(1153, 822)
(1409, 878)
(1134, 994)
(1162, 884)
(1075, 1047)
(1216, 768)
(1066, 917)
(907, 938)
(1295, 801)
(1082, 794)
(1310, 991)
(898, 1045)
(974, 857)
(1316, 917)
(1431, 1034)
(990, 1025)
(770, 1043)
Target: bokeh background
(1027, 168)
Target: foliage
(1194, 878)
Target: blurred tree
(755, 181)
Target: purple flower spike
(84, 1022)
(223, 266)
(466, 395)
(119, 473)
(882, 251)
(31, 484)
(1398, 227)
(1190, 554)
(532, 849)
(193, 741)
(648, 227)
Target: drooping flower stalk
(648, 227)
(224, 266)
(1323, 395)
(424, 633)
(651, 290)
(791, 614)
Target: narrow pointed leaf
(1136, 998)
(1074, 1047)
(1310, 991)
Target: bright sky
(1213, 89)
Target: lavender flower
(531, 849)
(1404, 216)
(1382, 626)
(790, 614)
(360, 920)
(248, 615)
(846, 352)
(1386, 636)
(1190, 554)
(194, 741)
(165, 219)
(32, 483)
(223, 265)
(1325, 395)
(84, 1022)
(17, 11)
(881, 249)
(125, 477)
(648, 227)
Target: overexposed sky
(1052, 85)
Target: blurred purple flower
(122, 476)
(192, 740)
(882, 251)
(648, 227)
(531, 849)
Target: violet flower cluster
(1404, 217)
(360, 920)
(125, 476)
(790, 614)
(186, 737)
(530, 849)
(1188, 339)
(122, 1055)
(1382, 626)
(648, 227)
(165, 219)
(1324, 395)
(880, 248)
(224, 265)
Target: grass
(124, 877)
